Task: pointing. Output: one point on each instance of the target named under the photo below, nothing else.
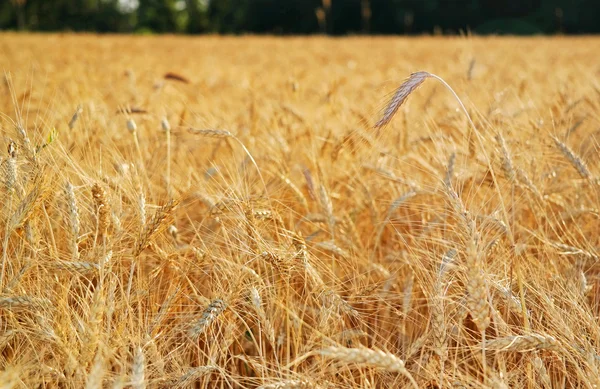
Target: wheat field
(233, 212)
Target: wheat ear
(75, 117)
(370, 357)
(214, 309)
(327, 207)
(391, 209)
(11, 172)
(438, 314)
(73, 219)
(257, 304)
(191, 376)
(79, 267)
(288, 384)
(408, 86)
(10, 182)
(102, 209)
(156, 225)
(22, 302)
(542, 372)
(450, 170)
(28, 204)
(297, 192)
(6, 337)
(576, 161)
(507, 165)
(523, 343)
(94, 378)
(138, 380)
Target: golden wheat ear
(408, 86)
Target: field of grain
(224, 213)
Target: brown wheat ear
(409, 86)
(102, 208)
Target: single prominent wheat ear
(409, 86)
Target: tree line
(334, 17)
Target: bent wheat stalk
(408, 87)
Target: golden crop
(223, 212)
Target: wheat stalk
(10, 182)
(407, 299)
(476, 288)
(251, 228)
(167, 129)
(438, 315)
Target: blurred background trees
(335, 17)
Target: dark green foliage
(300, 16)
